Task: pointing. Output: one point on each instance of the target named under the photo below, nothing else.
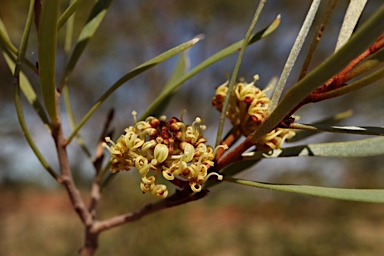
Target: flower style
(247, 110)
(171, 148)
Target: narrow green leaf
(72, 8)
(10, 56)
(134, 72)
(17, 96)
(358, 148)
(29, 93)
(182, 66)
(9, 49)
(320, 27)
(362, 130)
(27, 134)
(69, 28)
(94, 20)
(303, 134)
(211, 60)
(367, 65)
(72, 122)
(295, 51)
(180, 70)
(355, 8)
(357, 85)
(47, 55)
(359, 42)
(360, 195)
(232, 81)
(70, 22)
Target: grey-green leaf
(47, 55)
(351, 18)
(134, 72)
(362, 130)
(356, 148)
(180, 70)
(94, 20)
(25, 85)
(365, 36)
(294, 54)
(303, 134)
(211, 60)
(360, 195)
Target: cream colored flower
(168, 148)
(248, 109)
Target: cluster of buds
(247, 110)
(171, 148)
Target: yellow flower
(171, 148)
(248, 109)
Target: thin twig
(65, 170)
(97, 163)
(180, 197)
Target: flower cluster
(247, 110)
(170, 147)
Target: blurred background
(233, 220)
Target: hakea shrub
(171, 148)
(247, 110)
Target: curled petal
(142, 125)
(161, 152)
(168, 175)
(189, 151)
(219, 176)
(160, 191)
(195, 187)
(132, 140)
(148, 145)
(148, 180)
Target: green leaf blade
(359, 195)
(47, 55)
(180, 70)
(351, 18)
(295, 51)
(303, 134)
(131, 74)
(25, 85)
(358, 148)
(359, 42)
(94, 20)
(210, 61)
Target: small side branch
(180, 197)
(65, 170)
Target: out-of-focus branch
(65, 170)
(180, 197)
(97, 163)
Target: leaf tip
(197, 38)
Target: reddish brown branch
(96, 188)
(66, 175)
(338, 80)
(91, 243)
(180, 197)
(233, 155)
(229, 141)
(69, 184)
